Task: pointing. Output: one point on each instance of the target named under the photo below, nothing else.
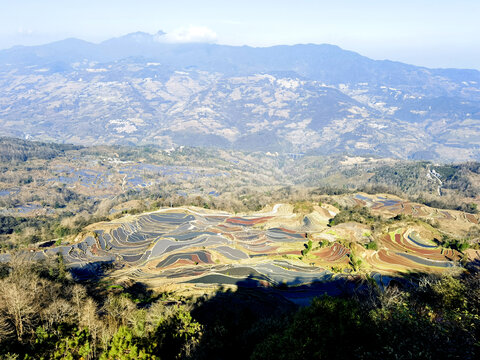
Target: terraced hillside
(192, 248)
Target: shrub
(358, 214)
(124, 346)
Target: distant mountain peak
(139, 37)
(200, 93)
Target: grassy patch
(357, 214)
(303, 207)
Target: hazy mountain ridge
(319, 98)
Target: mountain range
(319, 99)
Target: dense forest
(22, 150)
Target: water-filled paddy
(193, 246)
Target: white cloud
(191, 34)
(25, 31)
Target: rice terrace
(191, 248)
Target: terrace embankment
(197, 248)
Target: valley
(316, 99)
(168, 199)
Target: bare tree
(79, 294)
(90, 320)
(19, 301)
(57, 312)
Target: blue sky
(431, 33)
